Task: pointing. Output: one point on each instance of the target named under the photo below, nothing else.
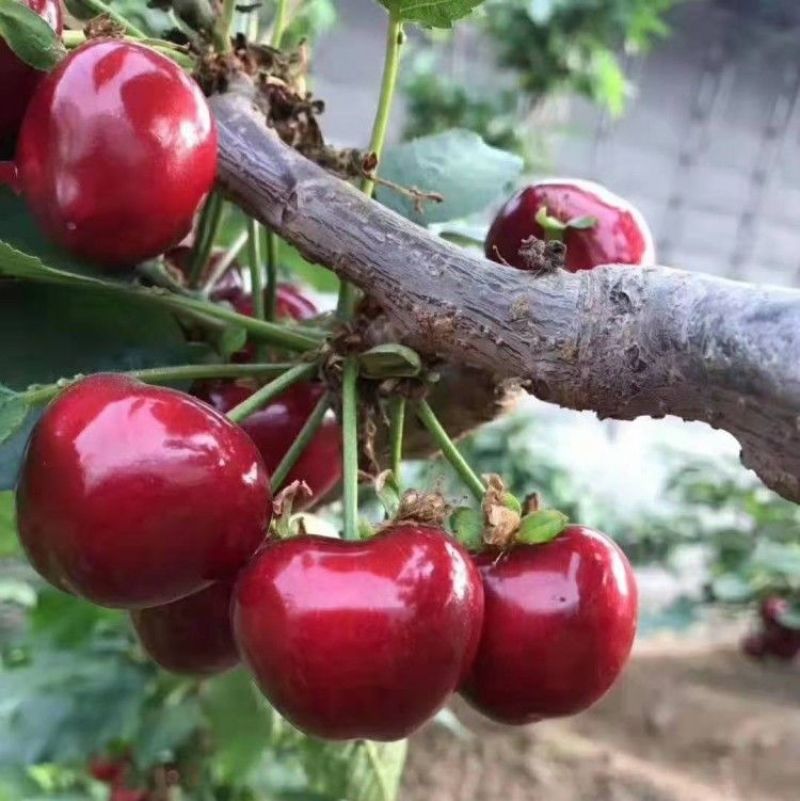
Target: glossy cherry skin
(621, 235)
(117, 151)
(359, 639)
(558, 628)
(193, 635)
(133, 496)
(275, 427)
(18, 80)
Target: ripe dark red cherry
(290, 304)
(133, 496)
(275, 427)
(558, 627)
(18, 80)
(620, 235)
(193, 635)
(359, 639)
(116, 153)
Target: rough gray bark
(623, 342)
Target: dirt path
(687, 723)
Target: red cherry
(109, 770)
(275, 427)
(19, 80)
(771, 609)
(359, 639)
(559, 625)
(125, 794)
(192, 635)
(132, 495)
(290, 304)
(116, 153)
(620, 236)
(755, 645)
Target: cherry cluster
(773, 638)
(153, 501)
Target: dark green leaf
(457, 164)
(48, 332)
(433, 13)
(542, 526)
(390, 360)
(29, 36)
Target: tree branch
(624, 342)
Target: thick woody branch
(624, 342)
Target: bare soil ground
(688, 722)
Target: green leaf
(732, 588)
(466, 524)
(542, 526)
(29, 36)
(48, 332)
(458, 164)
(163, 729)
(13, 411)
(232, 340)
(430, 13)
(358, 771)
(63, 705)
(390, 360)
(241, 723)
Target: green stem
(279, 26)
(222, 30)
(206, 234)
(221, 266)
(449, 450)
(350, 447)
(167, 375)
(102, 8)
(295, 338)
(391, 64)
(398, 419)
(301, 442)
(270, 298)
(256, 276)
(262, 397)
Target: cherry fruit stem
(256, 275)
(279, 25)
(448, 448)
(396, 428)
(264, 396)
(222, 31)
(207, 228)
(350, 447)
(391, 65)
(167, 375)
(301, 442)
